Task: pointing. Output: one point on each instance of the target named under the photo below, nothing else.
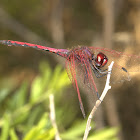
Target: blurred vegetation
(25, 110)
(25, 88)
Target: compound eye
(101, 60)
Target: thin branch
(52, 117)
(19, 29)
(99, 101)
(57, 29)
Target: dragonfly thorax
(80, 54)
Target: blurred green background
(28, 77)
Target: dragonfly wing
(80, 69)
(86, 75)
(71, 70)
(125, 65)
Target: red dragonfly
(84, 61)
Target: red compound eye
(101, 60)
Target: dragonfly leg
(102, 71)
(105, 71)
(98, 73)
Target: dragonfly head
(101, 60)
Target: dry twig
(52, 117)
(99, 101)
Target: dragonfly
(88, 63)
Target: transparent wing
(125, 65)
(80, 72)
(72, 73)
